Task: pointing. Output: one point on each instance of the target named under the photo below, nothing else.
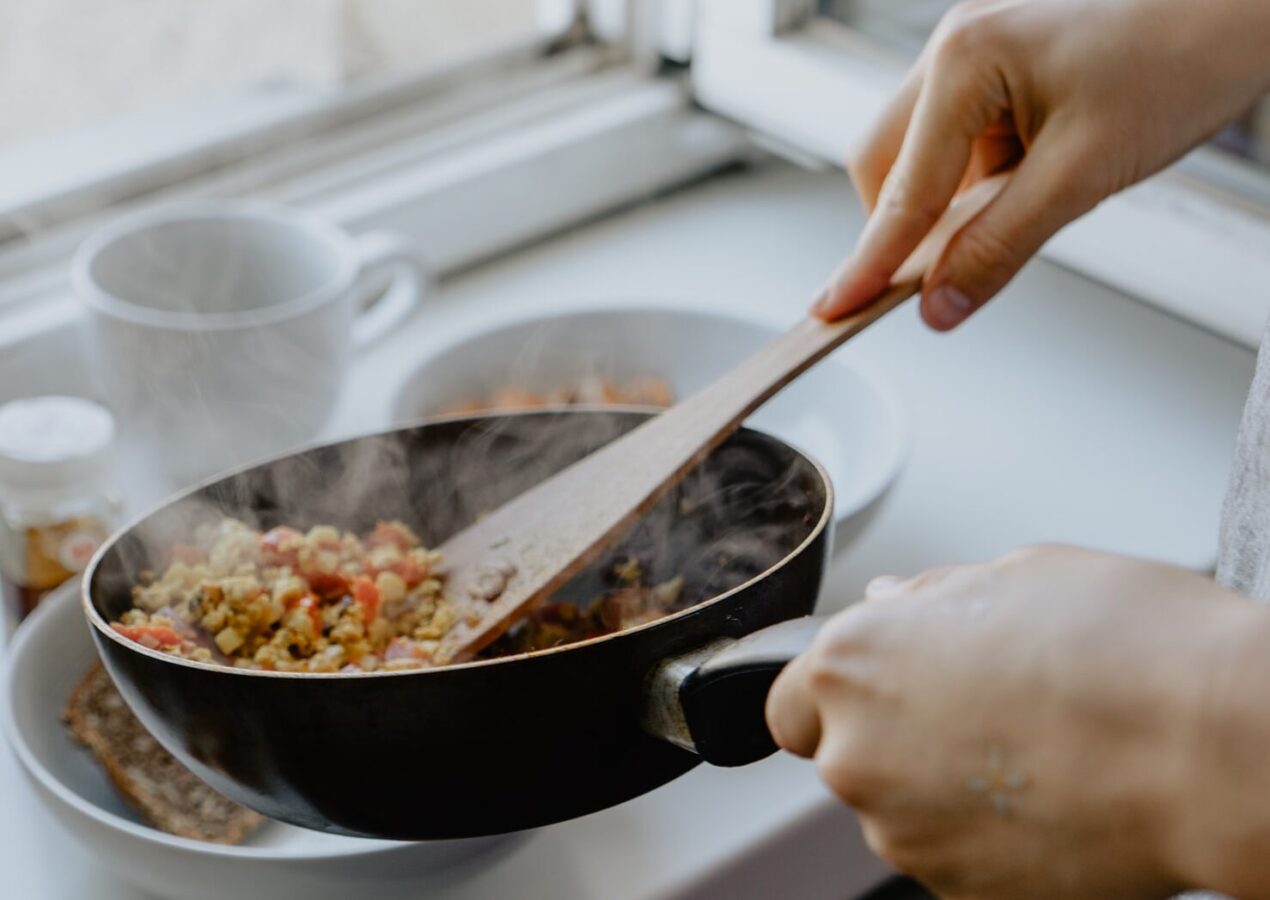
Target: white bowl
(845, 416)
(49, 654)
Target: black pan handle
(711, 701)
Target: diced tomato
(327, 584)
(391, 533)
(367, 596)
(153, 636)
(410, 570)
(281, 545)
(188, 554)
(310, 604)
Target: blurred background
(67, 64)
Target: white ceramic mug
(220, 331)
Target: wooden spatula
(499, 566)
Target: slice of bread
(169, 796)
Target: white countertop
(1062, 412)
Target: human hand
(1085, 97)
(1033, 727)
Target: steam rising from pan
(731, 518)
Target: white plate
(49, 654)
(845, 416)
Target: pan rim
(101, 627)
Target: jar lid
(52, 443)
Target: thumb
(1048, 190)
(953, 108)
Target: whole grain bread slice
(167, 794)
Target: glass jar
(57, 503)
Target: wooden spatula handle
(531, 546)
(725, 403)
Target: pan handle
(711, 701)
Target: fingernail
(950, 305)
(954, 300)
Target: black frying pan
(503, 744)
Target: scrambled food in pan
(330, 601)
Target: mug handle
(377, 250)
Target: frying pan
(425, 754)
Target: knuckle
(824, 674)
(931, 578)
(966, 31)
(942, 577)
(821, 679)
(949, 582)
(841, 660)
(903, 199)
(968, 53)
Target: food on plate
(166, 794)
(646, 390)
(330, 601)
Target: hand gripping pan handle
(711, 701)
